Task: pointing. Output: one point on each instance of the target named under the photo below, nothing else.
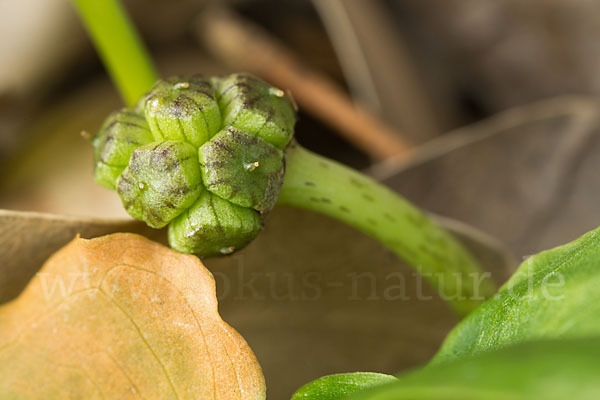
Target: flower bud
(204, 155)
(213, 226)
(120, 135)
(251, 105)
(161, 181)
(242, 168)
(183, 109)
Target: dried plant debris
(122, 317)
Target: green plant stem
(318, 184)
(119, 46)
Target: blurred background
(417, 70)
(483, 111)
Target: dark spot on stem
(368, 198)
(415, 219)
(344, 209)
(431, 253)
(356, 183)
(389, 217)
(308, 183)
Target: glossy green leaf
(340, 386)
(545, 370)
(554, 294)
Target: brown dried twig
(246, 46)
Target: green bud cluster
(204, 156)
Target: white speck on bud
(276, 92)
(141, 185)
(252, 166)
(181, 85)
(227, 250)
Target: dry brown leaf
(27, 239)
(122, 317)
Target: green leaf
(554, 294)
(334, 387)
(545, 370)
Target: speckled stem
(321, 185)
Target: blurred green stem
(119, 46)
(321, 185)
